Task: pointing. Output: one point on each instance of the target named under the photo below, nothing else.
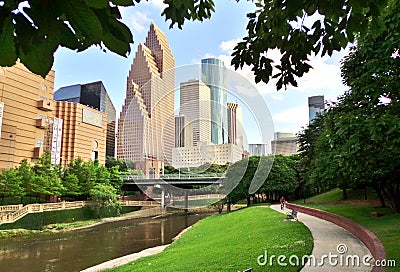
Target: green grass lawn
(336, 195)
(385, 227)
(231, 242)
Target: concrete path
(126, 259)
(342, 249)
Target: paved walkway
(330, 239)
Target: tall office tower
(212, 74)
(315, 105)
(183, 132)
(146, 124)
(195, 105)
(93, 95)
(235, 128)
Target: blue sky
(211, 38)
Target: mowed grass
(336, 195)
(231, 242)
(386, 228)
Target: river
(80, 249)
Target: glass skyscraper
(213, 75)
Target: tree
(358, 142)
(111, 162)
(282, 179)
(105, 200)
(47, 179)
(10, 184)
(33, 30)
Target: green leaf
(40, 57)
(97, 3)
(123, 2)
(83, 20)
(7, 44)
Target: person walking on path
(282, 200)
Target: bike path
(330, 240)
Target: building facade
(316, 105)
(284, 146)
(93, 95)
(146, 124)
(84, 132)
(213, 75)
(184, 157)
(278, 135)
(234, 121)
(258, 149)
(183, 132)
(195, 105)
(26, 114)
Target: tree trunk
(345, 197)
(248, 201)
(378, 190)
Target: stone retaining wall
(367, 237)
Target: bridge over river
(171, 183)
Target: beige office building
(206, 153)
(26, 109)
(284, 146)
(146, 124)
(84, 132)
(195, 104)
(32, 122)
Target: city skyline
(211, 38)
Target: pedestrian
(282, 200)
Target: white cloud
(139, 22)
(291, 119)
(227, 46)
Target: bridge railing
(172, 176)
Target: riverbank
(230, 242)
(85, 224)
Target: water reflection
(73, 251)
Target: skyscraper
(235, 129)
(315, 105)
(93, 95)
(213, 75)
(195, 105)
(146, 124)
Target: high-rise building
(146, 124)
(213, 75)
(183, 132)
(315, 105)
(195, 105)
(234, 128)
(93, 95)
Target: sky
(211, 38)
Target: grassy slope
(231, 242)
(336, 195)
